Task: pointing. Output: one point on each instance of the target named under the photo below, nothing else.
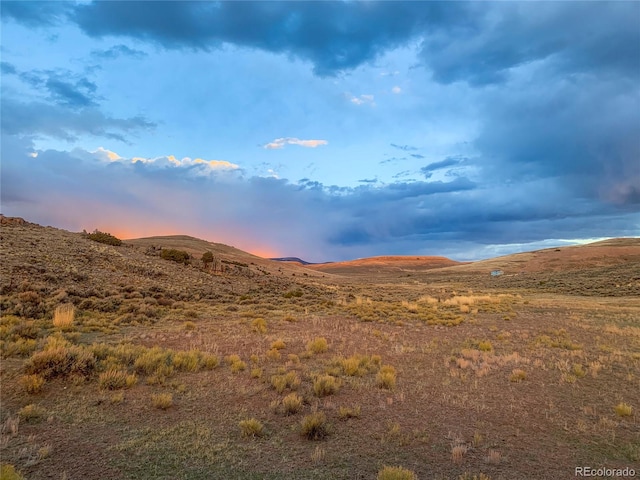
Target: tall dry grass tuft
(64, 315)
(396, 473)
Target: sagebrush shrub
(61, 361)
(31, 413)
(104, 237)
(179, 256)
(32, 383)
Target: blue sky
(326, 130)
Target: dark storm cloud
(334, 36)
(38, 118)
(427, 217)
(585, 132)
(574, 37)
(36, 13)
(118, 51)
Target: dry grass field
(118, 363)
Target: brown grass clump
(485, 346)
(314, 426)
(9, 472)
(318, 345)
(345, 413)
(251, 428)
(493, 457)
(32, 383)
(259, 325)
(281, 382)
(517, 375)
(623, 410)
(187, 361)
(237, 367)
(278, 345)
(396, 473)
(469, 476)
(31, 413)
(356, 365)
(458, 451)
(163, 401)
(209, 361)
(63, 316)
(256, 372)
(324, 385)
(114, 379)
(154, 360)
(273, 354)
(292, 403)
(386, 377)
(117, 398)
(236, 363)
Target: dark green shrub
(103, 237)
(172, 254)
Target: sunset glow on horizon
(325, 130)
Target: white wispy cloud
(396, 89)
(362, 100)
(281, 142)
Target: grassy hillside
(117, 363)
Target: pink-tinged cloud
(281, 142)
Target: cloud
(37, 13)
(583, 131)
(80, 189)
(459, 41)
(7, 68)
(118, 51)
(333, 36)
(279, 143)
(396, 90)
(362, 100)
(39, 118)
(583, 37)
(79, 94)
(405, 148)
(447, 162)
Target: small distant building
(496, 273)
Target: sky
(325, 130)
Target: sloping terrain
(387, 264)
(607, 253)
(119, 364)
